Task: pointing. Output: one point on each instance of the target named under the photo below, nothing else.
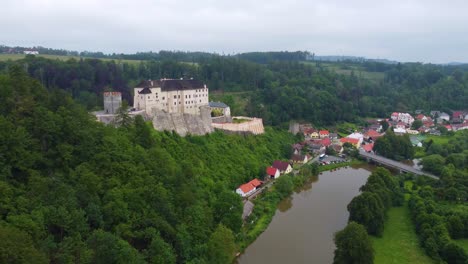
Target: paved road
(395, 164)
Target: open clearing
(399, 243)
(5, 57)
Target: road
(394, 164)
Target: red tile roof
(255, 182)
(247, 187)
(326, 142)
(420, 116)
(368, 147)
(271, 171)
(349, 140)
(373, 134)
(324, 132)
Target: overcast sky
(404, 30)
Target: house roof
(368, 147)
(373, 134)
(280, 165)
(255, 182)
(349, 140)
(271, 171)
(172, 84)
(297, 157)
(324, 132)
(401, 124)
(246, 187)
(218, 105)
(420, 116)
(326, 142)
(145, 90)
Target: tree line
(74, 190)
(278, 89)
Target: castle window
(164, 98)
(175, 96)
(179, 95)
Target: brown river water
(303, 226)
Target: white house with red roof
(402, 117)
(324, 133)
(273, 172)
(283, 166)
(248, 188)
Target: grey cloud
(428, 31)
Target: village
(319, 143)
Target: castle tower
(112, 102)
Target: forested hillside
(276, 90)
(74, 190)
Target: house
(421, 117)
(325, 142)
(458, 117)
(219, 109)
(442, 117)
(402, 117)
(297, 148)
(412, 132)
(372, 135)
(456, 127)
(273, 172)
(448, 127)
(283, 166)
(324, 134)
(435, 113)
(314, 134)
(399, 131)
(333, 136)
(353, 141)
(337, 148)
(31, 52)
(301, 159)
(248, 188)
(368, 147)
(400, 125)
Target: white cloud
(429, 31)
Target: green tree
(367, 209)
(221, 246)
(416, 124)
(16, 246)
(353, 246)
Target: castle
(178, 105)
(171, 96)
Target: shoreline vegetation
(267, 202)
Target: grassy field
(399, 243)
(5, 57)
(438, 139)
(358, 71)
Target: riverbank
(267, 202)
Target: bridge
(394, 164)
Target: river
(303, 226)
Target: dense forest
(75, 191)
(276, 89)
(439, 207)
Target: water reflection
(302, 229)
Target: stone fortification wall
(183, 124)
(253, 126)
(221, 119)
